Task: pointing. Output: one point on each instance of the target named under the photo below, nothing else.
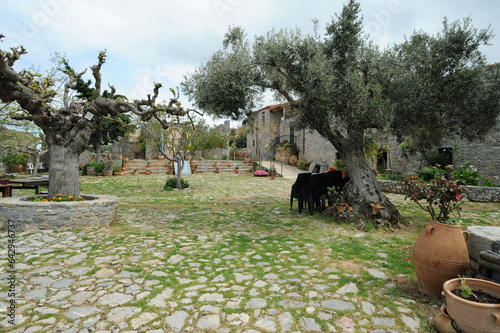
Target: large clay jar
(473, 317)
(439, 254)
(293, 160)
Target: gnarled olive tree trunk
(363, 188)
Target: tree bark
(363, 188)
(180, 167)
(64, 171)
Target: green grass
(249, 218)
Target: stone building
(273, 125)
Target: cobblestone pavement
(173, 276)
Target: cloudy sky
(162, 40)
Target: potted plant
(194, 167)
(124, 162)
(171, 168)
(136, 172)
(230, 164)
(116, 170)
(147, 172)
(474, 304)
(440, 252)
(108, 167)
(336, 198)
(294, 152)
(272, 172)
(161, 157)
(215, 164)
(217, 170)
(237, 170)
(148, 165)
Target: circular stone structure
(95, 211)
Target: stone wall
(473, 193)
(315, 148)
(97, 211)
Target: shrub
(261, 173)
(427, 174)
(98, 167)
(13, 159)
(467, 177)
(171, 183)
(442, 197)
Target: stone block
(483, 239)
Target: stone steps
(206, 166)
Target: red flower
(457, 198)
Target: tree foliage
(345, 88)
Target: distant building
(273, 125)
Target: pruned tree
(183, 137)
(339, 85)
(108, 129)
(68, 128)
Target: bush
(467, 177)
(171, 183)
(98, 167)
(427, 174)
(13, 159)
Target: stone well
(95, 211)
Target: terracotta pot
(229, 164)
(439, 254)
(147, 172)
(124, 169)
(148, 165)
(442, 322)
(237, 170)
(376, 207)
(341, 207)
(217, 170)
(473, 317)
(161, 157)
(293, 160)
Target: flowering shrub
(261, 173)
(443, 196)
(59, 197)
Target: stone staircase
(206, 166)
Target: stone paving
(157, 272)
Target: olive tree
(339, 85)
(67, 128)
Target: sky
(152, 41)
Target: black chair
(330, 179)
(297, 189)
(311, 192)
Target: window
(263, 118)
(292, 134)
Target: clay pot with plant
(440, 252)
(473, 304)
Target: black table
(34, 183)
